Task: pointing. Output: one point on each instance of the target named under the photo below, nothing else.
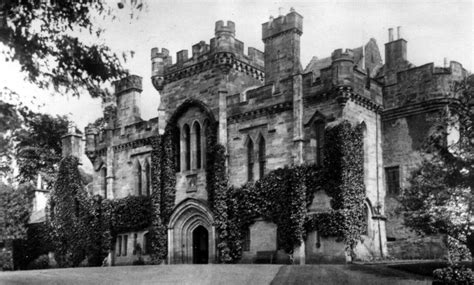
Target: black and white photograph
(236, 142)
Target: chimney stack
(390, 35)
(399, 32)
(445, 62)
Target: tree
(38, 146)
(9, 121)
(440, 198)
(15, 210)
(42, 37)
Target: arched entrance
(200, 245)
(191, 234)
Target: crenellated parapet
(129, 83)
(342, 67)
(223, 51)
(342, 55)
(289, 23)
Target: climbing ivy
(283, 196)
(164, 191)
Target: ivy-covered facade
(251, 157)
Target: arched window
(262, 159)
(187, 147)
(365, 230)
(197, 142)
(250, 159)
(104, 181)
(319, 135)
(139, 178)
(147, 178)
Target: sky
(434, 30)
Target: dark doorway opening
(200, 245)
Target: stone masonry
(270, 113)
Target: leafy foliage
(455, 274)
(15, 210)
(440, 196)
(68, 228)
(164, 191)
(38, 146)
(283, 195)
(42, 38)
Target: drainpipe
(377, 173)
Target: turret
(127, 92)
(224, 36)
(281, 37)
(159, 62)
(342, 67)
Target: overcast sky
(433, 29)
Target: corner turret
(224, 40)
(342, 67)
(159, 62)
(281, 37)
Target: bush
(6, 260)
(454, 274)
(42, 262)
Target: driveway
(216, 274)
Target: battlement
(339, 54)
(289, 22)
(222, 29)
(223, 49)
(131, 82)
(155, 53)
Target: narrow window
(135, 249)
(187, 147)
(104, 182)
(365, 231)
(392, 176)
(139, 178)
(147, 178)
(197, 137)
(146, 243)
(125, 241)
(246, 241)
(119, 245)
(177, 150)
(250, 159)
(204, 142)
(261, 156)
(319, 131)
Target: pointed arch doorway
(200, 245)
(191, 234)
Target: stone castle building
(271, 112)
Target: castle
(270, 113)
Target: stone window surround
(193, 125)
(143, 176)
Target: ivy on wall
(164, 191)
(283, 196)
(85, 227)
